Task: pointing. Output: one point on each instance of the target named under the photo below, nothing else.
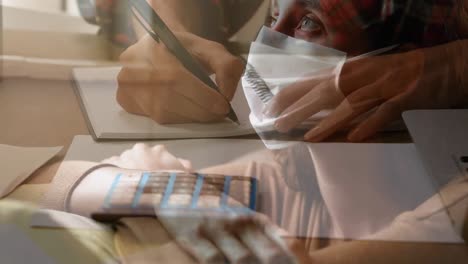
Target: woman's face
(323, 22)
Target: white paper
(361, 189)
(98, 88)
(202, 153)
(441, 137)
(18, 163)
(265, 58)
(365, 186)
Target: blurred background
(61, 6)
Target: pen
(158, 30)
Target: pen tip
(232, 115)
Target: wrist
(201, 18)
(445, 67)
(89, 193)
(179, 15)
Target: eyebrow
(313, 4)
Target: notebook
(18, 163)
(97, 87)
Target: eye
(309, 25)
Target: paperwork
(18, 163)
(343, 191)
(97, 88)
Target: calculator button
(209, 201)
(180, 200)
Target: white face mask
(275, 62)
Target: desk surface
(18, 18)
(46, 113)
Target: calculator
(149, 194)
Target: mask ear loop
(143, 24)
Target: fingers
(288, 96)
(357, 103)
(299, 249)
(218, 60)
(313, 102)
(166, 100)
(238, 240)
(141, 52)
(114, 160)
(154, 83)
(228, 73)
(143, 157)
(201, 248)
(186, 163)
(385, 114)
(232, 248)
(165, 159)
(359, 73)
(263, 247)
(253, 233)
(186, 231)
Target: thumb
(218, 60)
(299, 249)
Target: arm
(189, 16)
(431, 78)
(163, 81)
(214, 20)
(205, 237)
(211, 19)
(391, 252)
(431, 233)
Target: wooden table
(38, 113)
(47, 113)
(42, 113)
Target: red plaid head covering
(421, 22)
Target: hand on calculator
(237, 236)
(144, 157)
(247, 239)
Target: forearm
(447, 67)
(362, 252)
(425, 238)
(461, 55)
(186, 16)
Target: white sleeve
(439, 219)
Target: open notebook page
(97, 88)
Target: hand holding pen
(157, 83)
